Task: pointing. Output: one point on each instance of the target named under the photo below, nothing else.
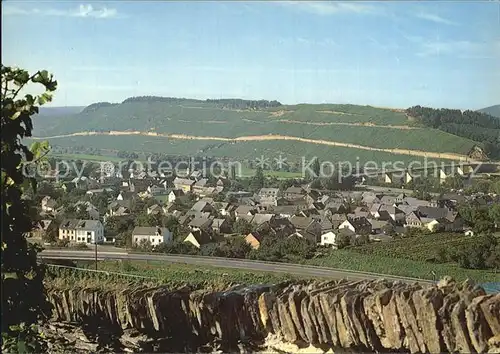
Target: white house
(153, 235)
(176, 194)
(328, 239)
(83, 231)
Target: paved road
(243, 264)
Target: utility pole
(95, 244)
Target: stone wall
(368, 316)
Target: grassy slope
(163, 273)
(201, 120)
(352, 260)
(293, 151)
(408, 257)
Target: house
(119, 208)
(388, 200)
(198, 238)
(358, 225)
(176, 195)
(268, 192)
(326, 224)
(378, 226)
(244, 210)
(155, 209)
(199, 185)
(155, 189)
(395, 213)
(285, 211)
(334, 207)
(226, 209)
(200, 223)
(48, 204)
(80, 182)
(328, 239)
(434, 218)
(260, 219)
(414, 202)
(84, 231)
(388, 178)
(337, 220)
(89, 208)
(183, 183)
(124, 195)
(413, 220)
(448, 219)
(221, 226)
(369, 198)
(203, 207)
(140, 185)
(254, 239)
(294, 193)
(309, 227)
(311, 197)
(238, 196)
(94, 192)
(41, 228)
(197, 175)
(152, 235)
(268, 196)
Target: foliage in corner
(23, 300)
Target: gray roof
(200, 222)
(72, 224)
(183, 181)
(262, 218)
(201, 183)
(177, 192)
(301, 222)
(295, 190)
(244, 209)
(218, 222)
(148, 230)
(199, 206)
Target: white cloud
(327, 8)
(83, 11)
(435, 18)
(459, 48)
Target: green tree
(258, 180)
(23, 299)
(494, 213)
(316, 168)
(242, 227)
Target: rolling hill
(492, 110)
(248, 129)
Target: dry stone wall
(367, 316)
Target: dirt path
(400, 127)
(434, 155)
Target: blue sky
(395, 54)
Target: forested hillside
(235, 127)
(230, 103)
(477, 126)
(492, 110)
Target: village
(197, 210)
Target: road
(243, 264)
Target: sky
(389, 54)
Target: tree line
(468, 124)
(232, 103)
